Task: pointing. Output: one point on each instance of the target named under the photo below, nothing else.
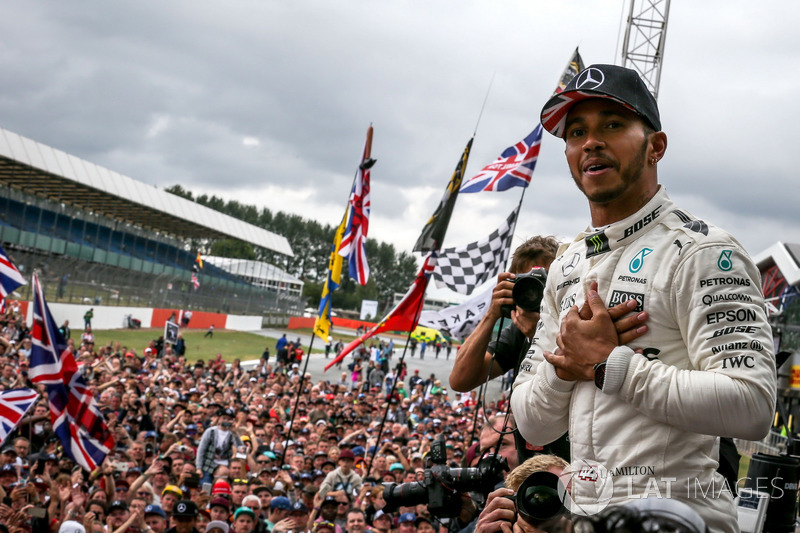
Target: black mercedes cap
(620, 84)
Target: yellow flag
(322, 326)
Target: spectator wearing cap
(118, 514)
(217, 445)
(382, 523)
(253, 503)
(407, 523)
(343, 477)
(244, 520)
(155, 518)
(325, 510)
(220, 509)
(169, 497)
(184, 517)
(279, 509)
(300, 517)
(424, 525)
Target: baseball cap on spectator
(185, 508)
(347, 454)
(281, 502)
(244, 510)
(173, 489)
(71, 526)
(396, 466)
(358, 450)
(9, 450)
(217, 524)
(407, 517)
(421, 519)
(151, 434)
(329, 500)
(299, 507)
(117, 505)
(219, 501)
(155, 509)
(221, 487)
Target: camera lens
(528, 292)
(538, 499)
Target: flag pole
(394, 383)
(297, 397)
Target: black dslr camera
(527, 292)
(441, 486)
(538, 500)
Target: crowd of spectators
(208, 445)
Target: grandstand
(103, 238)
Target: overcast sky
(268, 102)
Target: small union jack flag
(195, 281)
(355, 234)
(14, 404)
(10, 278)
(513, 168)
(76, 418)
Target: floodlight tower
(645, 34)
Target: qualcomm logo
(591, 78)
(637, 262)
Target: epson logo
(618, 297)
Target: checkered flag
(462, 269)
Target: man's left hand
(525, 321)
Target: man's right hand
(498, 514)
(501, 295)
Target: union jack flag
(195, 281)
(76, 418)
(355, 234)
(14, 404)
(513, 168)
(10, 278)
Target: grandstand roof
(44, 171)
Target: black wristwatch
(600, 375)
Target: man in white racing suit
(644, 419)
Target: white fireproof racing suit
(707, 366)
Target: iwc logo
(591, 78)
(588, 482)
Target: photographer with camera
(528, 503)
(474, 359)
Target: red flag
(404, 316)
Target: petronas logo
(596, 244)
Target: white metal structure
(645, 34)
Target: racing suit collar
(629, 229)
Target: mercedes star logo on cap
(181, 507)
(589, 79)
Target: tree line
(390, 271)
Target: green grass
(231, 344)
